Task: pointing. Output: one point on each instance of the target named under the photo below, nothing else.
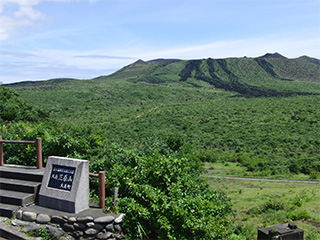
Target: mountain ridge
(273, 55)
(141, 62)
(229, 105)
(270, 75)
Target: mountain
(266, 106)
(268, 75)
(273, 55)
(259, 116)
(173, 81)
(163, 81)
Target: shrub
(163, 196)
(13, 108)
(314, 175)
(299, 215)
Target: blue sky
(43, 39)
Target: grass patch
(260, 204)
(233, 169)
(224, 169)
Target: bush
(76, 142)
(13, 108)
(314, 175)
(276, 209)
(299, 215)
(163, 196)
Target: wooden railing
(102, 188)
(37, 143)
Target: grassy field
(260, 203)
(231, 169)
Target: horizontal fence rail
(102, 188)
(37, 143)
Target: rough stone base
(63, 227)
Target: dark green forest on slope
(261, 113)
(160, 190)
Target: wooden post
(115, 197)
(1, 152)
(39, 152)
(102, 190)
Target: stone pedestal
(65, 185)
(285, 231)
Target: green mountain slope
(255, 116)
(171, 81)
(252, 110)
(269, 75)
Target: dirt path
(259, 179)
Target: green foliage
(19, 153)
(19, 121)
(222, 74)
(67, 141)
(312, 236)
(149, 124)
(267, 135)
(256, 205)
(270, 205)
(299, 215)
(314, 175)
(13, 108)
(43, 234)
(164, 194)
(279, 209)
(161, 192)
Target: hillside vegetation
(160, 191)
(151, 123)
(260, 112)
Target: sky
(44, 39)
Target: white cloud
(102, 57)
(291, 46)
(28, 12)
(18, 15)
(17, 54)
(47, 63)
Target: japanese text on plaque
(61, 177)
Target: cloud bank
(17, 15)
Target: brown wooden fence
(102, 188)
(37, 143)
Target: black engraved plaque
(61, 177)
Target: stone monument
(65, 185)
(283, 231)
